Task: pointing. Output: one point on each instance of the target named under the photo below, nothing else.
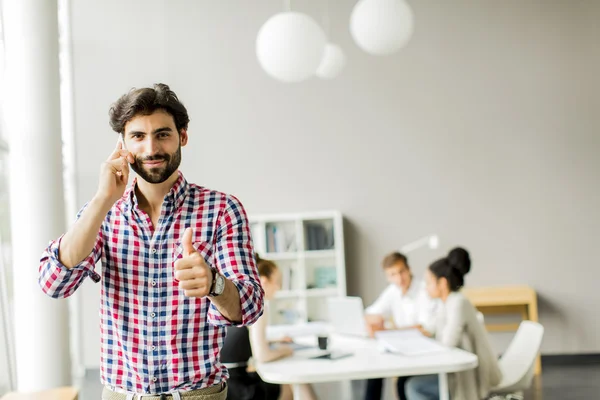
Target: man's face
(399, 275)
(155, 144)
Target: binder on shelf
(280, 239)
(286, 279)
(319, 237)
(270, 239)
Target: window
(6, 349)
(6, 366)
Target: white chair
(518, 361)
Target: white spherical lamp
(332, 63)
(381, 27)
(290, 46)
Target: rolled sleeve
(58, 281)
(235, 260)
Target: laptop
(346, 315)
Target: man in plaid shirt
(177, 260)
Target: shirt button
(153, 315)
(153, 347)
(154, 379)
(153, 283)
(153, 251)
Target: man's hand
(114, 174)
(424, 332)
(287, 351)
(194, 275)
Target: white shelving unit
(308, 248)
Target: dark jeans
(425, 387)
(375, 387)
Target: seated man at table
(405, 301)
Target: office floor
(571, 382)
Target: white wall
(483, 130)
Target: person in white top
(457, 325)
(403, 304)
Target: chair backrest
(518, 361)
(480, 317)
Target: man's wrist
(217, 286)
(212, 280)
(102, 202)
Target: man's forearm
(228, 303)
(79, 241)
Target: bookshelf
(308, 248)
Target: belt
(110, 393)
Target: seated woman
(243, 384)
(241, 344)
(406, 302)
(456, 325)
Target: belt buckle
(163, 396)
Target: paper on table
(408, 342)
(401, 333)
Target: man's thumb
(186, 242)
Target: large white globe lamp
(381, 27)
(290, 46)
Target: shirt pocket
(204, 248)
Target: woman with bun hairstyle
(456, 326)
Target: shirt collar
(179, 190)
(412, 291)
(176, 195)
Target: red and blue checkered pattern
(154, 339)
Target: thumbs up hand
(194, 275)
(186, 242)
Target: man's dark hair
(145, 101)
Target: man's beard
(161, 173)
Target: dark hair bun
(459, 259)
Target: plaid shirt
(154, 339)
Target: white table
(367, 361)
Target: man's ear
(183, 137)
